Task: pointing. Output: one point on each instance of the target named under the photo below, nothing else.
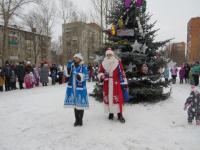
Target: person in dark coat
(44, 74)
(187, 72)
(91, 72)
(195, 73)
(60, 75)
(53, 74)
(20, 72)
(7, 72)
(13, 79)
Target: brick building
(176, 52)
(193, 40)
(81, 37)
(23, 45)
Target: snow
(36, 120)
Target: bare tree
(66, 9)
(8, 9)
(47, 12)
(35, 22)
(42, 20)
(103, 9)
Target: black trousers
(1, 88)
(13, 85)
(7, 84)
(174, 79)
(191, 116)
(44, 84)
(78, 116)
(196, 79)
(21, 84)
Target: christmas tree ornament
(127, 19)
(139, 3)
(127, 4)
(144, 48)
(120, 23)
(144, 69)
(113, 30)
(144, 5)
(136, 46)
(98, 58)
(139, 26)
(125, 32)
(131, 36)
(130, 67)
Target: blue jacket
(76, 92)
(166, 73)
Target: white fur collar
(110, 64)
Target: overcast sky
(172, 16)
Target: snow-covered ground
(36, 120)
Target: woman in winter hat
(76, 93)
(44, 74)
(111, 73)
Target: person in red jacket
(111, 73)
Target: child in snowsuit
(193, 105)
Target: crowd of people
(25, 75)
(187, 73)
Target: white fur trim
(79, 108)
(110, 65)
(100, 75)
(67, 75)
(78, 55)
(82, 76)
(125, 82)
(113, 108)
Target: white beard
(110, 64)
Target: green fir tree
(132, 38)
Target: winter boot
(76, 123)
(121, 118)
(81, 112)
(111, 116)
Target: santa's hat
(78, 55)
(109, 51)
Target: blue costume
(76, 92)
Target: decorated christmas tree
(132, 37)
